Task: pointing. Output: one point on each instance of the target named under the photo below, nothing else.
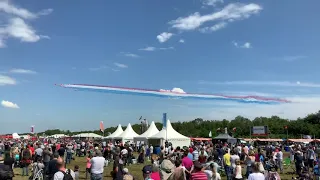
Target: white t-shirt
(209, 174)
(59, 175)
(124, 151)
(97, 165)
(233, 159)
(256, 176)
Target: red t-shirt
(31, 149)
(199, 176)
(191, 150)
(155, 176)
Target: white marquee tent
(116, 133)
(87, 135)
(15, 136)
(152, 130)
(58, 136)
(170, 135)
(127, 134)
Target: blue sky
(267, 48)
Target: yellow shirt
(226, 159)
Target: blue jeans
(228, 172)
(96, 176)
(25, 171)
(68, 158)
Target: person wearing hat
(127, 175)
(150, 172)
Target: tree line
(278, 127)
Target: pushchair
(270, 165)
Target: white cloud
(293, 58)
(98, 68)
(130, 54)
(45, 12)
(149, 48)
(16, 26)
(230, 13)
(181, 41)
(266, 83)
(119, 65)
(211, 2)
(22, 71)
(168, 48)
(163, 37)
(246, 45)
(6, 80)
(215, 27)
(9, 104)
(176, 90)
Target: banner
(164, 120)
(101, 126)
(259, 130)
(32, 130)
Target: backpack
(6, 173)
(67, 175)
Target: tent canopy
(116, 133)
(152, 130)
(172, 136)
(127, 134)
(15, 136)
(87, 135)
(224, 137)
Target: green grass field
(135, 170)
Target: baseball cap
(147, 169)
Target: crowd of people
(199, 161)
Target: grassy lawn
(135, 170)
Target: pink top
(187, 163)
(88, 163)
(155, 176)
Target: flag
(234, 129)
(285, 127)
(210, 134)
(32, 129)
(164, 120)
(101, 126)
(140, 118)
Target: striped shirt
(199, 176)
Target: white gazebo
(87, 135)
(116, 133)
(152, 130)
(170, 135)
(15, 136)
(58, 136)
(127, 134)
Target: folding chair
(288, 166)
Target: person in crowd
(76, 172)
(37, 167)
(88, 166)
(97, 166)
(238, 171)
(127, 175)
(146, 172)
(233, 158)
(9, 162)
(227, 164)
(63, 173)
(279, 159)
(256, 174)
(47, 153)
(179, 172)
(52, 166)
(26, 160)
(155, 174)
(69, 150)
(249, 161)
(38, 153)
(197, 173)
(311, 157)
